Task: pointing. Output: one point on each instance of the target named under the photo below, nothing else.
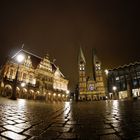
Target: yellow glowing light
(17, 88)
(23, 84)
(31, 91)
(24, 89)
(67, 91)
(37, 92)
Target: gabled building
(42, 78)
(90, 88)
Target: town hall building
(37, 78)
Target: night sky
(60, 27)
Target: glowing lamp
(23, 84)
(20, 58)
(106, 72)
(114, 88)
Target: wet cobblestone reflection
(103, 120)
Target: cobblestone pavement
(99, 120)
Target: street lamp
(114, 89)
(107, 82)
(106, 72)
(19, 59)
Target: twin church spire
(96, 64)
(81, 56)
(90, 88)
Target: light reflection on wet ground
(23, 119)
(117, 119)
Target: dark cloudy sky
(60, 27)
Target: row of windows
(123, 85)
(126, 77)
(46, 78)
(20, 75)
(99, 79)
(83, 79)
(82, 74)
(82, 68)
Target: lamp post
(107, 82)
(19, 59)
(114, 89)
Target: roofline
(59, 69)
(26, 52)
(32, 54)
(37, 57)
(126, 65)
(16, 54)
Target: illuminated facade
(38, 78)
(126, 80)
(90, 88)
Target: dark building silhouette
(124, 81)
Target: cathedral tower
(98, 75)
(90, 88)
(82, 72)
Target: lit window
(24, 76)
(34, 81)
(117, 78)
(98, 67)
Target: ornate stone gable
(45, 64)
